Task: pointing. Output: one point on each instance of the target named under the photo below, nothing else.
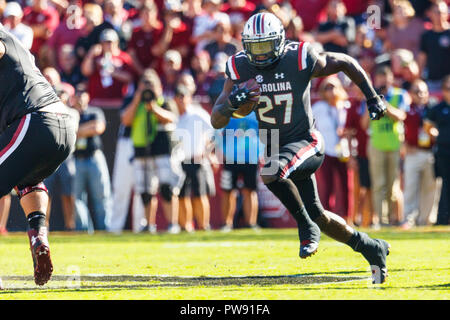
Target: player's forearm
(357, 74)
(221, 115)
(336, 62)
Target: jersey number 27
(280, 100)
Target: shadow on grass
(62, 283)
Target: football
(249, 106)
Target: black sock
(287, 193)
(360, 240)
(36, 220)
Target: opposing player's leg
(34, 202)
(374, 250)
(31, 149)
(275, 175)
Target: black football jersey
(285, 91)
(23, 89)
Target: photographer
(152, 122)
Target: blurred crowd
(141, 73)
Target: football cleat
(376, 256)
(308, 248)
(40, 252)
(309, 240)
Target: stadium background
(312, 14)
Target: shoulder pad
(298, 51)
(234, 66)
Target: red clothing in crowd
(238, 15)
(48, 17)
(413, 125)
(142, 43)
(181, 38)
(355, 7)
(117, 89)
(353, 121)
(311, 11)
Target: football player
(283, 70)
(37, 133)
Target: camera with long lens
(147, 94)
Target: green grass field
(243, 264)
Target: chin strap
(23, 192)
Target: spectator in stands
(437, 124)
(330, 114)
(420, 183)
(152, 119)
(194, 133)
(404, 67)
(124, 182)
(296, 32)
(92, 177)
(338, 31)
(223, 41)
(405, 30)
(192, 8)
(69, 30)
(43, 19)
(219, 79)
(200, 70)
(108, 69)
(147, 43)
(310, 12)
(70, 69)
(239, 144)
(171, 67)
(239, 11)
(204, 24)
(435, 47)
(115, 17)
(384, 145)
(12, 22)
(357, 9)
(281, 9)
(359, 160)
(180, 38)
(93, 15)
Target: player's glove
(244, 93)
(376, 107)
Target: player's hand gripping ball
(244, 98)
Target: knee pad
(23, 192)
(166, 192)
(146, 198)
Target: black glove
(243, 93)
(376, 107)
